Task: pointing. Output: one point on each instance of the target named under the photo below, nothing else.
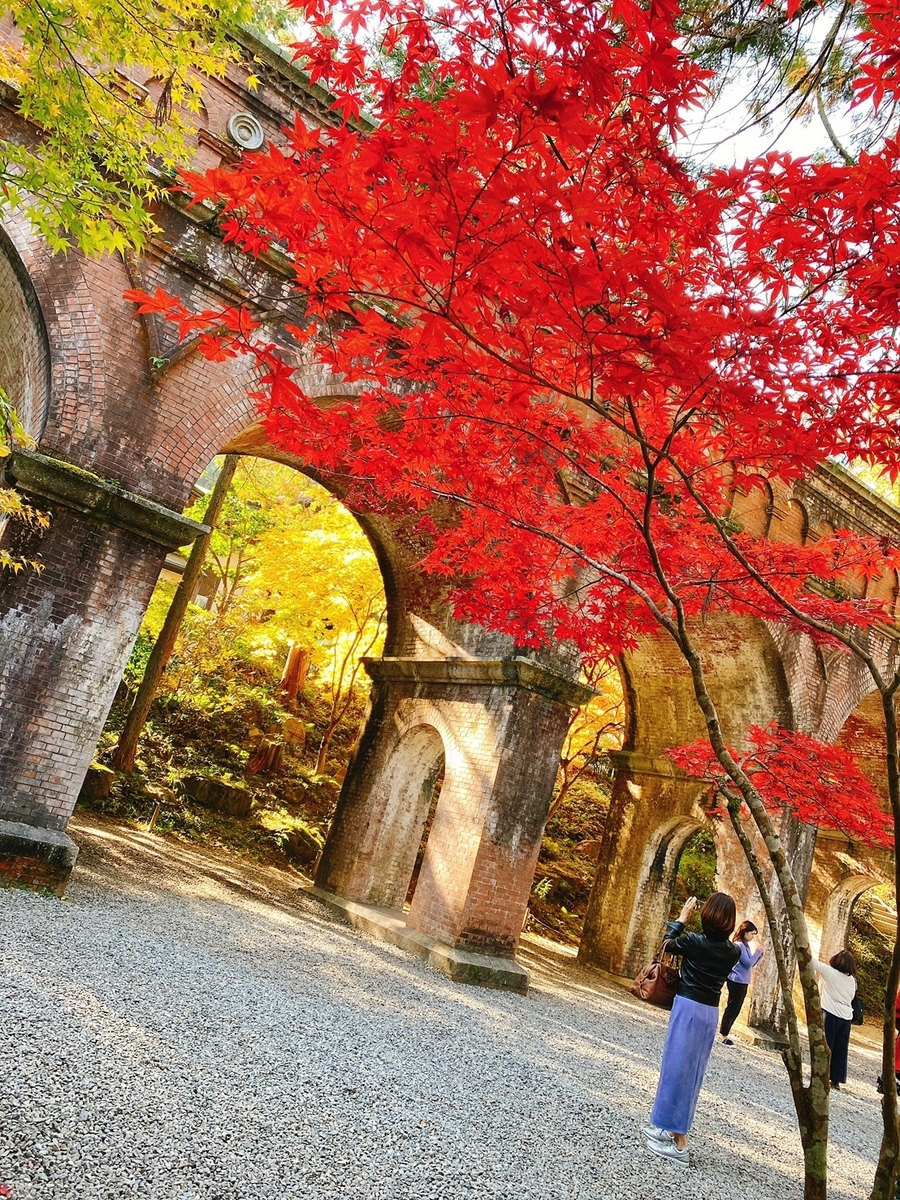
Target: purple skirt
(689, 1041)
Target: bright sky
(712, 140)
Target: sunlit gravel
(187, 1027)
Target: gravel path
(188, 1027)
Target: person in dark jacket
(707, 959)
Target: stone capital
(481, 672)
(73, 487)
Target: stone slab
(463, 966)
(64, 483)
(35, 858)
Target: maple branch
(829, 129)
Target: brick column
(652, 814)
(65, 636)
(499, 725)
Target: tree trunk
(884, 1185)
(811, 1104)
(267, 757)
(323, 750)
(293, 677)
(126, 748)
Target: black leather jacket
(705, 962)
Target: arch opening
(695, 870)
(410, 805)
(872, 929)
(24, 345)
(260, 706)
(656, 893)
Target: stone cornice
(635, 762)
(480, 672)
(835, 494)
(73, 487)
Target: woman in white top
(838, 990)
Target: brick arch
(823, 529)
(849, 690)
(825, 683)
(656, 887)
(753, 510)
(839, 911)
(202, 409)
(94, 416)
(885, 587)
(401, 804)
(842, 870)
(790, 523)
(381, 534)
(746, 674)
(750, 685)
(420, 623)
(24, 345)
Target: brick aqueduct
(110, 398)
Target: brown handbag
(658, 982)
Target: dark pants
(736, 994)
(837, 1035)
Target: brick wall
(64, 636)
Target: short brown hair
(843, 961)
(718, 915)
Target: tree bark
(125, 752)
(293, 677)
(884, 1185)
(811, 1103)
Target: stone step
(883, 919)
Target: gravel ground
(189, 1027)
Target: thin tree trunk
(124, 754)
(811, 1104)
(884, 1185)
(812, 1119)
(322, 757)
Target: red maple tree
(547, 319)
(818, 783)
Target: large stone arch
(127, 415)
(658, 872)
(835, 923)
(399, 801)
(652, 801)
(459, 694)
(842, 869)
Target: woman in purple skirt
(707, 959)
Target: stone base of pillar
(34, 858)
(763, 1040)
(463, 966)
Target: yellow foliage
(12, 507)
(315, 580)
(113, 86)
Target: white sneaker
(668, 1150)
(657, 1134)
